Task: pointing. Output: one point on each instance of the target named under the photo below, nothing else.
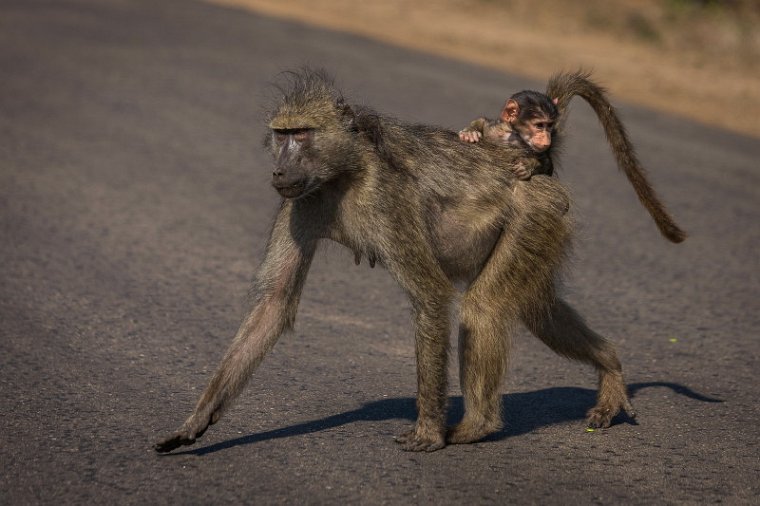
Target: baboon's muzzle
(287, 185)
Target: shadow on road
(523, 412)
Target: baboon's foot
(421, 440)
(468, 432)
(601, 415)
(611, 399)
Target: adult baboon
(434, 211)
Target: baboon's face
(311, 138)
(294, 172)
(537, 132)
(310, 152)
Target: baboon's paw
(416, 441)
(464, 432)
(522, 172)
(184, 436)
(405, 437)
(601, 415)
(420, 444)
(173, 442)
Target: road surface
(134, 208)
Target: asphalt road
(134, 206)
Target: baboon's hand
(469, 135)
(186, 435)
(522, 172)
(173, 442)
(417, 440)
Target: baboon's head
(311, 135)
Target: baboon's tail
(564, 87)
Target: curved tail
(563, 87)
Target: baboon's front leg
(431, 348)
(277, 290)
(256, 336)
(431, 293)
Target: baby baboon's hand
(470, 135)
(522, 172)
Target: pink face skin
(537, 133)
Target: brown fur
(432, 210)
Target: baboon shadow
(523, 412)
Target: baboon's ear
(348, 116)
(511, 111)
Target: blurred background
(699, 59)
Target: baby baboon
(527, 119)
(432, 210)
(533, 119)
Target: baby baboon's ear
(510, 112)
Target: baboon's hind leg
(488, 312)
(484, 344)
(518, 275)
(562, 329)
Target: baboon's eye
(280, 136)
(542, 124)
(302, 134)
(298, 134)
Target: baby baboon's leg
(565, 332)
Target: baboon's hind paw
(600, 417)
(464, 432)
